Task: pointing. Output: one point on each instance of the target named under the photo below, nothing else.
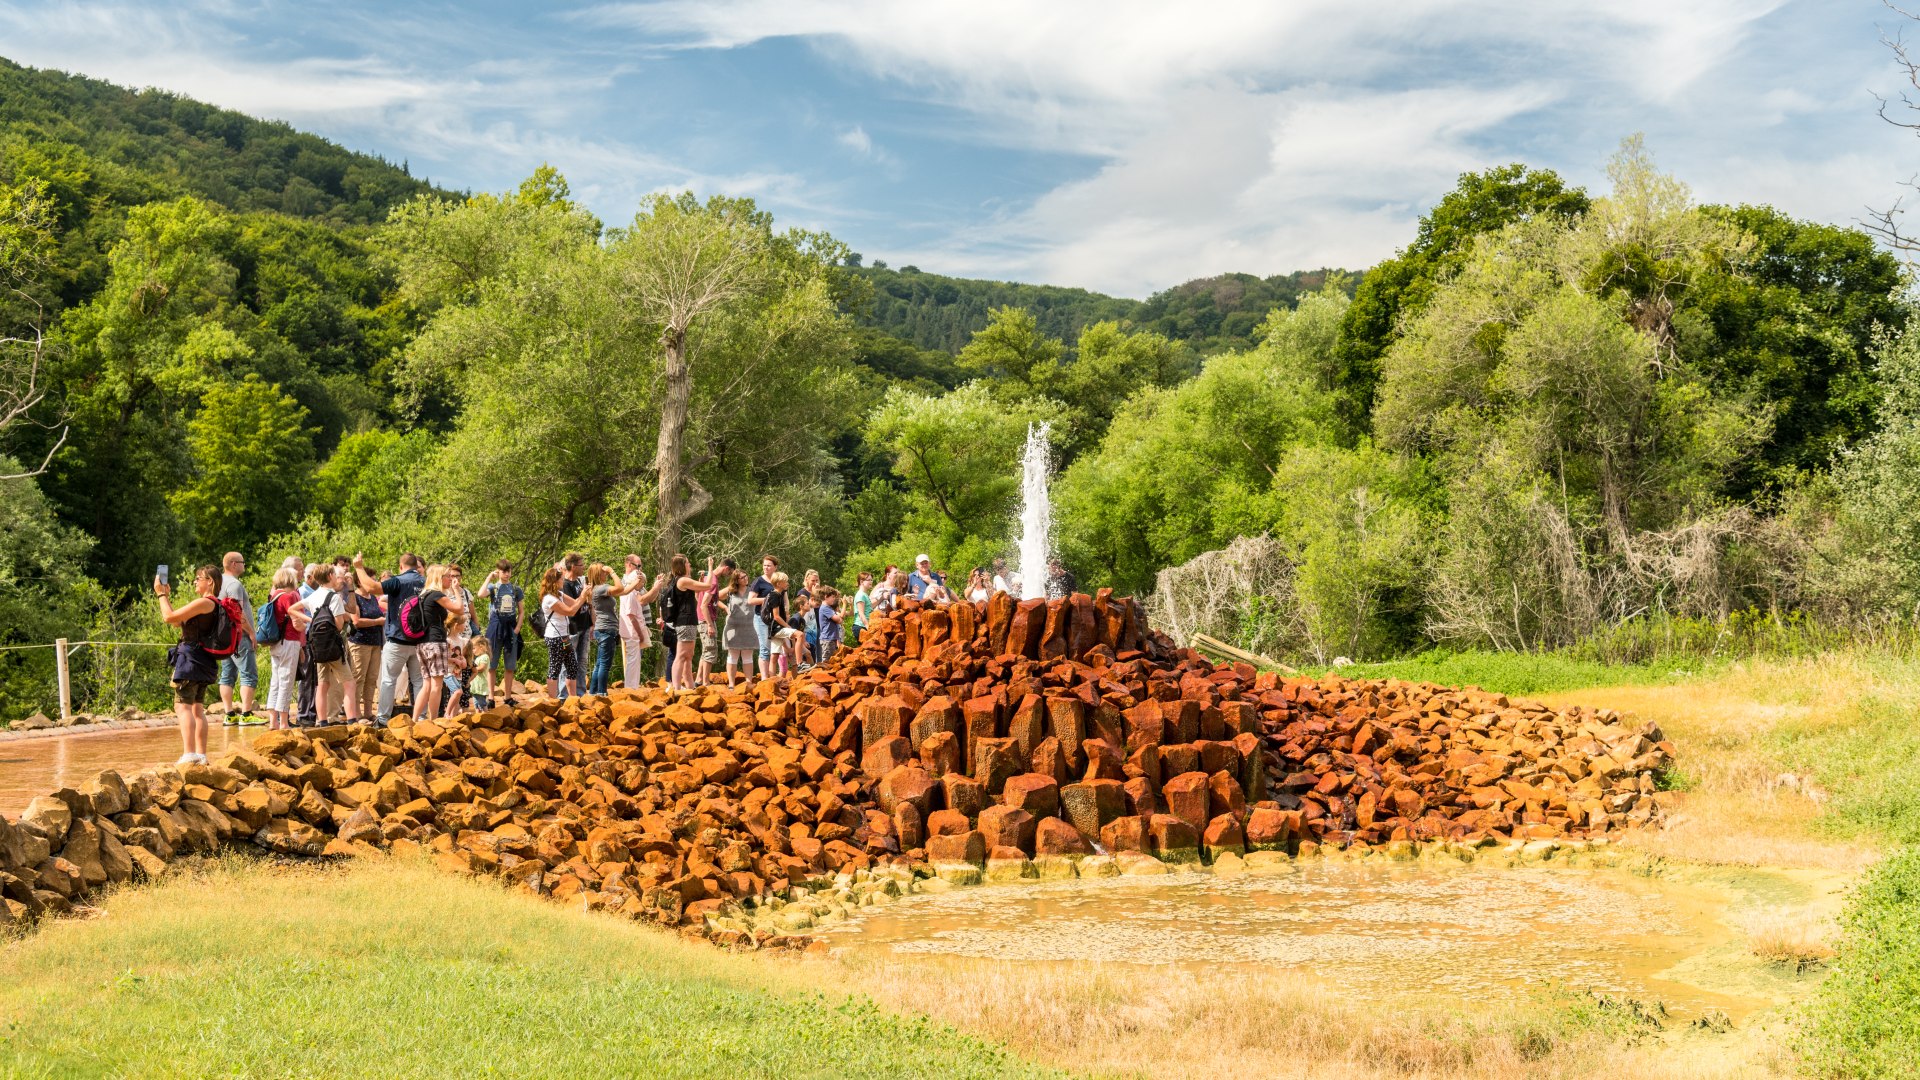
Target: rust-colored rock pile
(1011, 737)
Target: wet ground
(37, 766)
(1371, 930)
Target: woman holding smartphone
(193, 669)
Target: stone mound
(1009, 734)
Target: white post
(66, 685)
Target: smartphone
(161, 573)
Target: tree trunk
(668, 456)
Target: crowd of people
(344, 643)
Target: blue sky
(1118, 146)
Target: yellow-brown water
(1483, 935)
(37, 766)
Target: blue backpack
(266, 624)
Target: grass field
(393, 969)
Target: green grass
(1517, 673)
(1864, 1025)
(396, 969)
(1868, 759)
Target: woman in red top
(285, 653)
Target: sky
(1115, 145)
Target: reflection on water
(1367, 928)
(30, 767)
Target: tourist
(193, 666)
(862, 605)
(711, 614)
(605, 592)
(763, 588)
(979, 589)
(683, 620)
(308, 715)
(480, 681)
(363, 641)
(459, 633)
(809, 620)
(886, 595)
(438, 609)
(320, 616)
(828, 619)
(1060, 581)
(787, 633)
(276, 627)
(580, 623)
(557, 608)
(399, 654)
(937, 594)
(634, 638)
(741, 639)
(1001, 583)
(242, 667)
(506, 618)
(923, 577)
(773, 612)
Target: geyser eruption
(1036, 514)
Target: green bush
(1865, 1021)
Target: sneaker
(231, 719)
(188, 759)
(247, 719)
(199, 759)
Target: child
(480, 683)
(741, 639)
(828, 618)
(791, 635)
(459, 638)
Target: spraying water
(1036, 514)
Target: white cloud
(1257, 135)
(857, 140)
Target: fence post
(66, 684)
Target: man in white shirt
(633, 624)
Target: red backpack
(224, 638)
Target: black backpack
(324, 641)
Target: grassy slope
(395, 969)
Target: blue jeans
(240, 666)
(504, 639)
(766, 639)
(605, 642)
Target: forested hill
(178, 146)
(932, 311)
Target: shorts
(190, 693)
(241, 666)
(709, 644)
(433, 660)
(686, 634)
(785, 634)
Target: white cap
(918, 559)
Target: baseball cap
(920, 559)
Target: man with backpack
(401, 653)
(320, 616)
(241, 666)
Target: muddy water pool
(1362, 928)
(37, 766)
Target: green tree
(1108, 366)
(1791, 325)
(1185, 469)
(163, 329)
(958, 453)
(720, 287)
(253, 465)
(1010, 347)
(1553, 384)
(1396, 290)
